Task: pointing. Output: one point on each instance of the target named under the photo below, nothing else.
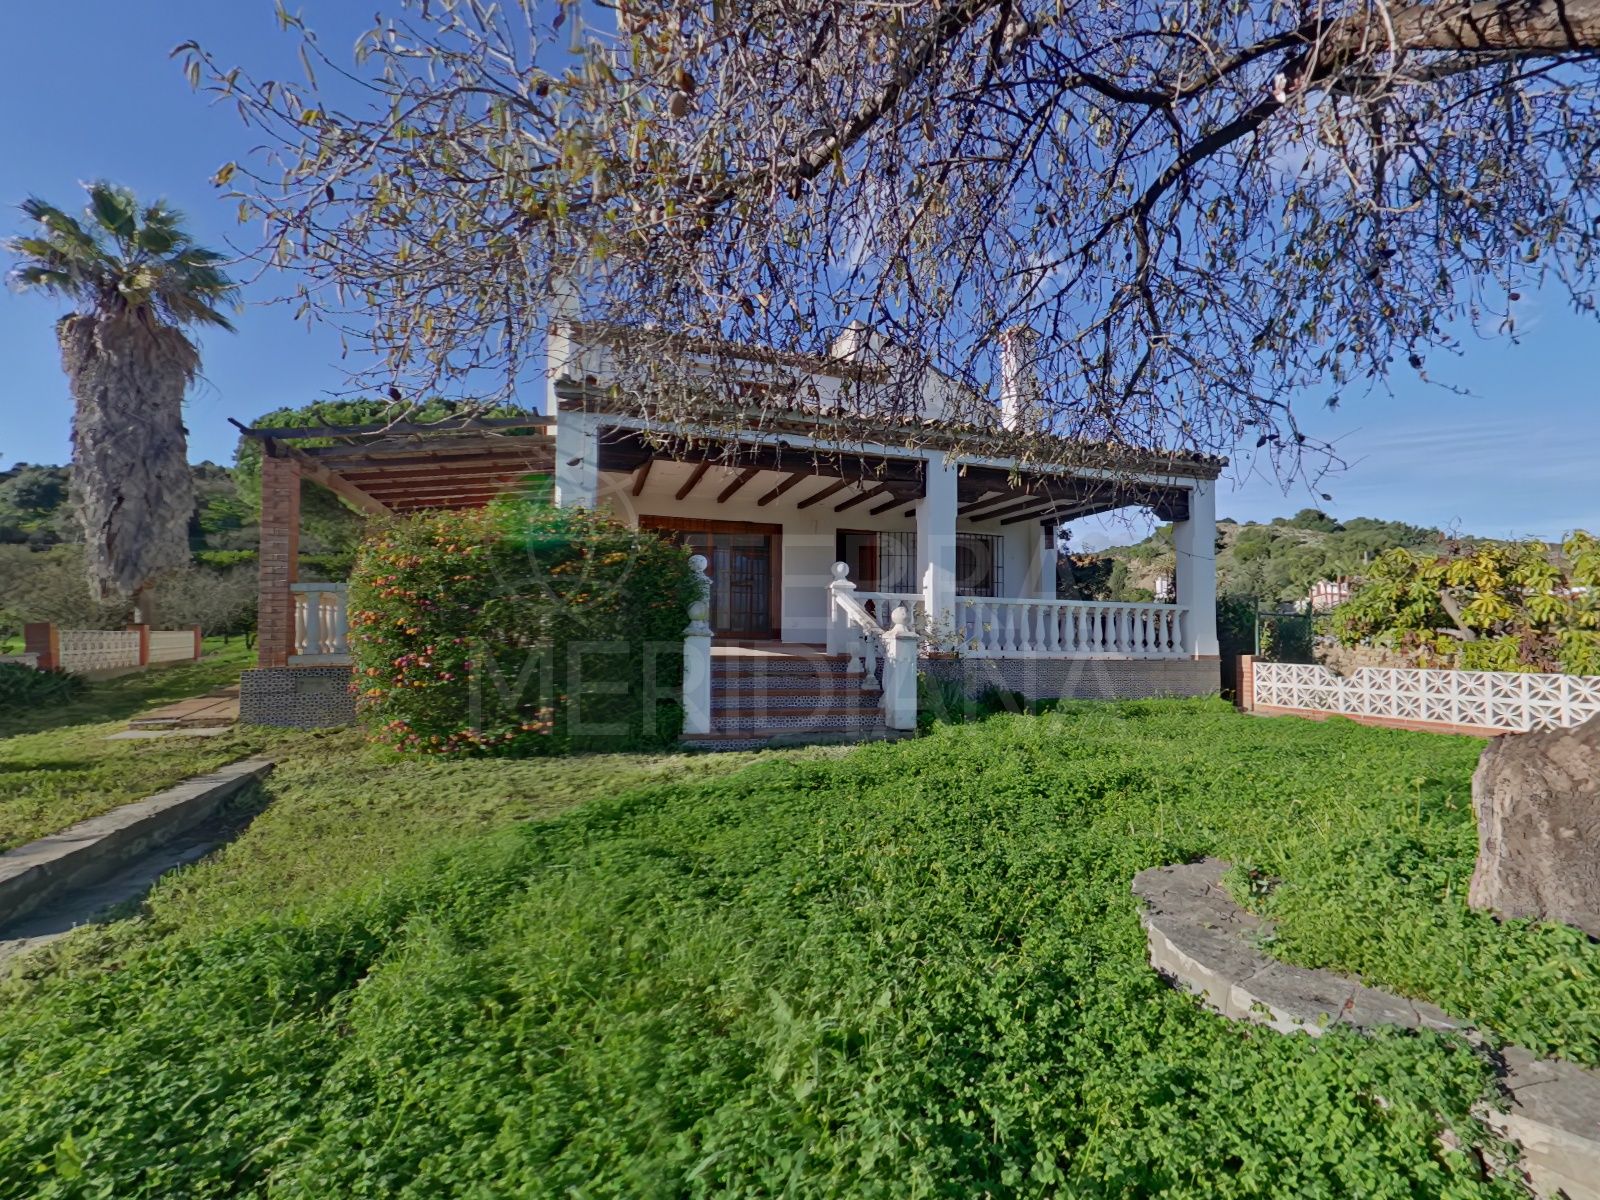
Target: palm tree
(136, 281)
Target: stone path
(1205, 942)
(215, 709)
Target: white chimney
(1020, 407)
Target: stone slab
(43, 871)
(1201, 940)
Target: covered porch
(968, 545)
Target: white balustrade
(994, 627)
(882, 605)
(884, 657)
(1509, 701)
(320, 623)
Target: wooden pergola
(381, 470)
(407, 467)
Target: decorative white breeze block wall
(101, 649)
(1511, 701)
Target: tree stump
(1537, 797)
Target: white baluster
(868, 648)
(313, 631)
(341, 622)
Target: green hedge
(519, 629)
(23, 687)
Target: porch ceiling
(725, 469)
(665, 483)
(741, 474)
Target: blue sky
(1518, 455)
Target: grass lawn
(56, 766)
(911, 969)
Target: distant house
(1328, 594)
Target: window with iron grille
(897, 562)
(980, 564)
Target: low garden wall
(1447, 701)
(108, 651)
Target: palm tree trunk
(130, 471)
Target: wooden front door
(742, 558)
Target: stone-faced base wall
(1083, 678)
(297, 697)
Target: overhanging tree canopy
(1201, 210)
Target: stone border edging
(1201, 939)
(85, 853)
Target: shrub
(519, 629)
(22, 686)
(940, 698)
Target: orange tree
(518, 629)
(1494, 606)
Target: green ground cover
(903, 970)
(56, 766)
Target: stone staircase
(791, 698)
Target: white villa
(816, 524)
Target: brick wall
(1245, 688)
(280, 547)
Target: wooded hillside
(1272, 562)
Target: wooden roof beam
(744, 477)
(863, 497)
(399, 428)
(699, 474)
(367, 464)
(1032, 516)
(1023, 505)
(542, 445)
(642, 475)
(836, 486)
(794, 478)
(894, 501)
(979, 510)
(338, 485)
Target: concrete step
(778, 739)
(848, 695)
(751, 720)
(811, 667)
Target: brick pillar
(44, 640)
(197, 641)
(1246, 695)
(144, 642)
(280, 548)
